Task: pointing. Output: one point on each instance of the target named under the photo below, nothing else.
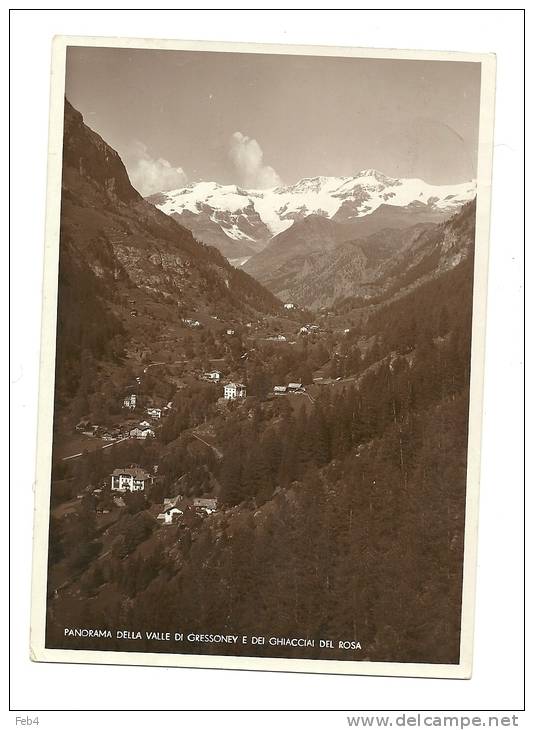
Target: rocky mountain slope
(318, 261)
(106, 224)
(241, 222)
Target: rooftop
(132, 471)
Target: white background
(497, 683)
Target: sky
(258, 121)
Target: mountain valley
(281, 445)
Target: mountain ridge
(119, 234)
(241, 222)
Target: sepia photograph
(263, 336)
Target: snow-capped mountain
(240, 222)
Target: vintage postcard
(262, 353)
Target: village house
(230, 332)
(295, 388)
(207, 505)
(289, 305)
(141, 432)
(214, 376)
(193, 323)
(309, 329)
(130, 401)
(280, 389)
(168, 515)
(234, 390)
(132, 479)
(86, 428)
(154, 412)
(172, 501)
(171, 509)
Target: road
(106, 446)
(216, 451)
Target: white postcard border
(38, 651)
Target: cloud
(247, 157)
(149, 175)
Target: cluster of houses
(130, 402)
(140, 431)
(231, 391)
(289, 388)
(174, 508)
(136, 479)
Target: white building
(230, 332)
(295, 387)
(168, 516)
(289, 305)
(154, 412)
(280, 389)
(234, 390)
(130, 401)
(132, 479)
(170, 510)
